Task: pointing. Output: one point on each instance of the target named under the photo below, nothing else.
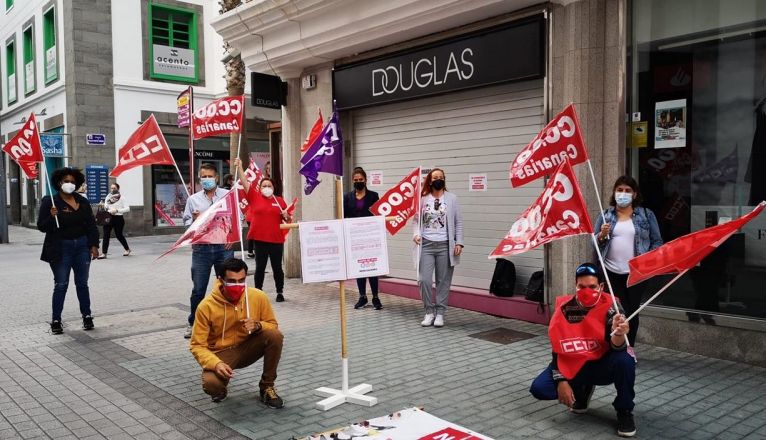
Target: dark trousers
(361, 284)
(616, 367)
(118, 224)
(269, 251)
(630, 299)
(75, 257)
(266, 344)
(204, 258)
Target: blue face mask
(208, 183)
(623, 199)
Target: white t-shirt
(434, 219)
(621, 247)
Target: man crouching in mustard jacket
(225, 339)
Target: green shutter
(10, 62)
(173, 27)
(28, 58)
(50, 52)
(8, 4)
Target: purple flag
(325, 155)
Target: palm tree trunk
(235, 86)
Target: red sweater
(265, 217)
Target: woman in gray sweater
(439, 233)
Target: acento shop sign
(511, 52)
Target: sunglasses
(586, 270)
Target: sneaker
(271, 399)
(280, 298)
(57, 328)
(428, 320)
(439, 321)
(581, 405)
(376, 303)
(188, 332)
(126, 253)
(102, 257)
(361, 303)
(626, 427)
(87, 322)
(219, 398)
(250, 255)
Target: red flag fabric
(558, 212)
(685, 252)
(561, 139)
(25, 149)
(218, 224)
(401, 201)
(222, 116)
(290, 211)
(316, 130)
(146, 146)
(253, 175)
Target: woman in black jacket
(69, 245)
(357, 203)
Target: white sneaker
(439, 321)
(428, 320)
(188, 332)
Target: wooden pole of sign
(341, 283)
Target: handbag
(103, 217)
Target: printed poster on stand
(322, 251)
(670, 124)
(366, 247)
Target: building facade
(92, 72)
(671, 93)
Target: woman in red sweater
(265, 213)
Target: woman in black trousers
(116, 207)
(357, 203)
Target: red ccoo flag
(561, 139)
(25, 149)
(222, 116)
(218, 224)
(146, 146)
(685, 252)
(401, 201)
(558, 212)
(290, 211)
(316, 130)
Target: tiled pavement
(133, 377)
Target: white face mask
(623, 199)
(68, 187)
(267, 192)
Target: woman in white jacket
(115, 205)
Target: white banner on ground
(407, 424)
(366, 248)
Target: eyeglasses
(586, 270)
(437, 204)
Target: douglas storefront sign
(514, 51)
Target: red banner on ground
(25, 149)
(146, 146)
(222, 116)
(686, 251)
(401, 201)
(561, 139)
(218, 224)
(558, 212)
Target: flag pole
(50, 190)
(188, 194)
(239, 222)
(420, 229)
(191, 137)
(664, 288)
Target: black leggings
(118, 223)
(630, 299)
(361, 284)
(269, 251)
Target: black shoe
(220, 398)
(280, 298)
(56, 328)
(581, 402)
(361, 303)
(626, 427)
(271, 399)
(87, 322)
(376, 303)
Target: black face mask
(359, 186)
(437, 184)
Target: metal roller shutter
(469, 132)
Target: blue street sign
(95, 139)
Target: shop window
(698, 142)
(49, 46)
(173, 43)
(28, 39)
(10, 71)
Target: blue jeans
(75, 256)
(616, 367)
(204, 257)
